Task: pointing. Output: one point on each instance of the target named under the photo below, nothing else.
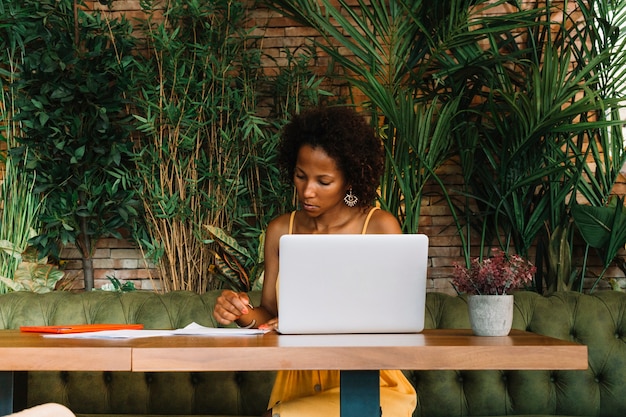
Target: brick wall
(113, 258)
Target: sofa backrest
(113, 393)
(155, 311)
(598, 321)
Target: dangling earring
(350, 199)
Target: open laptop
(352, 283)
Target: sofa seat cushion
(154, 393)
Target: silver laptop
(352, 283)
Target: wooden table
(358, 357)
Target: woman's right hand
(230, 306)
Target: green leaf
(228, 243)
(602, 227)
(594, 223)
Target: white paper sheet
(193, 329)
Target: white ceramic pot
(490, 315)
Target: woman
(335, 161)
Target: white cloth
(45, 410)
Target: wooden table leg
(13, 387)
(360, 394)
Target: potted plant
(489, 282)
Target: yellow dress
(316, 393)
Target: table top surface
(431, 349)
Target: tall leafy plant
(203, 155)
(75, 139)
(539, 130)
(553, 125)
(542, 134)
(600, 218)
(19, 205)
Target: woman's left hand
(271, 324)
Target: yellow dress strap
(293, 216)
(367, 219)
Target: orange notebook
(80, 328)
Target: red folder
(80, 328)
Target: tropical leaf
(559, 261)
(233, 263)
(10, 249)
(602, 227)
(228, 243)
(39, 277)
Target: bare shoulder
(383, 222)
(276, 228)
(279, 225)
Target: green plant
(295, 86)
(19, 204)
(533, 103)
(71, 95)
(115, 285)
(204, 156)
(555, 134)
(196, 154)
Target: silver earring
(350, 199)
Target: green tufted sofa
(598, 321)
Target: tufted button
(108, 377)
(414, 377)
(317, 387)
(149, 378)
(239, 376)
(553, 377)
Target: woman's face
(319, 182)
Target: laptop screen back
(352, 283)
